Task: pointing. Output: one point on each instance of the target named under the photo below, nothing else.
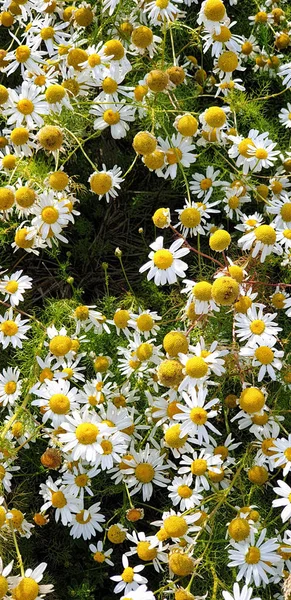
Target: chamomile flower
(256, 559)
(212, 15)
(46, 31)
(281, 208)
(197, 466)
(10, 386)
(285, 73)
(27, 106)
(221, 41)
(12, 329)
(196, 413)
(31, 582)
(83, 436)
(261, 423)
(183, 495)
(116, 116)
(56, 399)
(100, 555)
(202, 185)
(190, 221)
(4, 572)
(178, 150)
(106, 182)
(165, 265)
(177, 526)
(250, 222)
(145, 322)
(281, 455)
(113, 448)
(25, 58)
(233, 202)
(145, 551)
(200, 294)
(86, 522)
(51, 216)
(65, 504)
(79, 480)
(14, 286)
(245, 593)
(159, 12)
(263, 150)
(263, 240)
(285, 116)
(6, 470)
(256, 327)
(283, 490)
(266, 357)
(146, 469)
(129, 579)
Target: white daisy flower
(24, 57)
(200, 294)
(222, 449)
(257, 327)
(83, 437)
(197, 466)
(10, 386)
(262, 240)
(250, 222)
(285, 73)
(28, 105)
(78, 481)
(116, 116)
(165, 265)
(224, 40)
(285, 116)
(129, 579)
(51, 216)
(266, 357)
(12, 329)
(65, 504)
(56, 399)
(145, 469)
(145, 551)
(106, 182)
(114, 447)
(245, 593)
(202, 185)
(4, 572)
(177, 526)
(198, 366)
(195, 415)
(178, 150)
(262, 149)
(71, 370)
(283, 490)
(183, 495)
(145, 322)
(256, 559)
(281, 207)
(158, 12)
(240, 150)
(14, 286)
(284, 238)
(212, 19)
(86, 522)
(233, 202)
(33, 576)
(100, 555)
(16, 520)
(190, 221)
(281, 456)
(45, 30)
(261, 423)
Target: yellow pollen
(215, 117)
(81, 480)
(10, 387)
(205, 183)
(261, 153)
(214, 10)
(144, 551)
(50, 214)
(174, 155)
(47, 33)
(198, 466)
(145, 322)
(106, 446)
(86, 433)
(27, 589)
(190, 217)
(121, 318)
(144, 472)
(253, 555)
(287, 453)
(196, 367)
(111, 117)
(99, 557)
(172, 436)
(244, 147)
(58, 500)
(265, 234)
(163, 259)
(25, 106)
(264, 355)
(59, 404)
(128, 575)
(252, 400)
(22, 53)
(175, 526)
(60, 345)
(287, 234)
(94, 60)
(198, 415)
(202, 291)
(257, 326)
(9, 328)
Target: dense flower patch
(144, 443)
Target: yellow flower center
(99, 557)
(144, 472)
(173, 155)
(233, 202)
(59, 404)
(114, 48)
(198, 466)
(214, 10)
(9, 328)
(94, 60)
(144, 351)
(223, 36)
(261, 153)
(82, 313)
(215, 117)
(144, 551)
(244, 147)
(286, 212)
(128, 575)
(47, 33)
(3, 586)
(86, 433)
(163, 259)
(19, 136)
(162, 3)
(121, 318)
(175, 526)
(81, 480)
(145, 322)
(17, 518)
(239, 529)
(219, 240)
(58, 500)
(196, 367)
(111, 117)
(267, 446)
(10, 387)
(55, 93)
(50, 214)
(264, 355)
(265, 234)
(25, 106)
(287, 453)
(253, 555)
(27, 589)
(184, 491)
(22, 53)
(252, 400)
(106, 446)
(287, 234)
(80, 518)
(60, 345)
(257, 326)
(198, 415)
(202, 291)
(109, 85)
(172, 436)
(190, 217)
